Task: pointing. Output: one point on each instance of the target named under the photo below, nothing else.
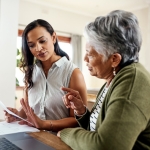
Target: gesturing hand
(31, 116)
(73, 100)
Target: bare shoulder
(77, 74)
(77, 83)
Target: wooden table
(50, 139)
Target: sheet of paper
(14, 127)
(10, 112)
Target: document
(15, 127)
(10, 112)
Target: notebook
(23, 141)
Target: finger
(65, 102)
(23, 105)
(68, 99)
(33, 117)
(11, 109)
(27, 106)
(75, 102)
(71, 102)
(72, 99)
(71, 91)
(7, 114)
(29, 113)
(72, 105)
(10, 119)
(22, 122)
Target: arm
(123, 118)
(119, 130)
(76, 82)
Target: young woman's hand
(10, 118)
(31, 116)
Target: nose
(85, 58)
(38, 47)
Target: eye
(90, 56)
(31, 46)
(43, 41)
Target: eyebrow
(37, 39)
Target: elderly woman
(120, 118)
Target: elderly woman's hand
(73, 100)
(58, 134)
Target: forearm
(57, 125)
(118, 131)
(84, 120)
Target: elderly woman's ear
(116, 59)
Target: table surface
(50, 139)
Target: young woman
(47, 68)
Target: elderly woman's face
(96, 65)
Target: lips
(89, 68)
(41, 54)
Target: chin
(92, 74)
(44, 59)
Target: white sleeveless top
(45, 97)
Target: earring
(114, 71)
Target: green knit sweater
(124, 120)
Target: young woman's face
(41, 43)
(96, 65)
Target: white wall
(144, 23)
(59, 19)
(8, 34)
(74, 23)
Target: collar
(58, 63)
(61, 61)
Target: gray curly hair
(118, 32)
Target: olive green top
(124, 120)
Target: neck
(108, 82)
(48, 63)
(112, 76)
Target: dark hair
(27, 60)
(117, 32)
